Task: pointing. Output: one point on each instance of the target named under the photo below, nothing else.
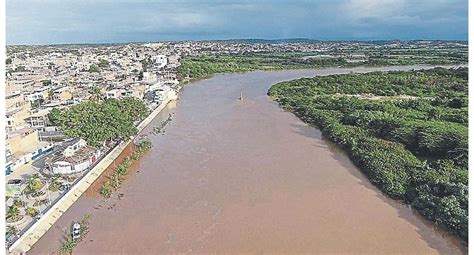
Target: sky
(109, 21)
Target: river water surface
(246, 177)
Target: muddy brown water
(246, 177)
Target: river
(233, 177)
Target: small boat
(76, 231)
(241, 96)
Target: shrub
(32, 211)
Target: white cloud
(361, 9)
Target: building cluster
(267, 46)
(352, 51)
(42, 78)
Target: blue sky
(95, 21)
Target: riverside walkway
(42, 225)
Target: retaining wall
(38, 229)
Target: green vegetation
(100, 121)
(204, 66)
(17, 203)
(93, 69)
(115, 180)
(32, 211)
(37, 103)
(13, 214)
(33, 184)
(407, 131)
(430, 56)
(69, 244)
(103, 63)
(54, 116)
(106, 190)
(46, 82)
(143, 147)
(54, 183)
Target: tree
(46, 82)
(101, 121)
(8, 61)
(37, 103)
(54, 116)
(93, 69)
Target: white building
(75, 158)
(160, 60)
(113, 94)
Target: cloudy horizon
(106, 21)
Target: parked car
(15, 181)
(65, 186)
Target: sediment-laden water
(233, 177)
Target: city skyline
(104, 21)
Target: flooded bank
(244, 176)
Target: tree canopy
(93, 69)
(46, 82)
(196, 67)
(98, 122)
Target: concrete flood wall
(40, 227)
(94, 188)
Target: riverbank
(276, 69)
(231, 176)
(390, 139)
(40, 227)
(203, 67)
